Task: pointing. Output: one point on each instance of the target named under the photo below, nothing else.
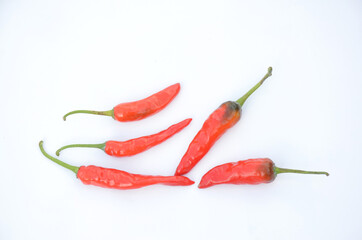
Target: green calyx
(61, 163)
(104, 113)
(100, 146)
(242, 100)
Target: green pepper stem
(286, 170)
(104, 113)
(63, 164)
(242, 100)
(100, 146)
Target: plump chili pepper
(223, 118)
(140, 109)
(113, 178)
(133, 146)
(251, 171)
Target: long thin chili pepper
(251, 171)
(140, 109)
(133, 146)
(223, 118)
(113, 178)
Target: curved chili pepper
(117, 179)
(251, 171)
(133, 146)
(140, 109)
(223, 118)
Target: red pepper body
(113, 178)
(137, 110)
(214, 127)
(223, 118)
(137, 145)
(251, 171)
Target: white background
(58, 56)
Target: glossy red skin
(137, 145)
(223, 118)
(140, 109)
(251, 171)
(117, 179)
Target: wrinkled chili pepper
(251, 171)
(223, 118)
(140, 109)
(117, 179)
(133, 146)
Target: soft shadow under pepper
(113, 178)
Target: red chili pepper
(133, 146)
(223, 118)
(138, 110)
(113, 178)
(251, 171)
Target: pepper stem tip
(57, 152)
(270, 70)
